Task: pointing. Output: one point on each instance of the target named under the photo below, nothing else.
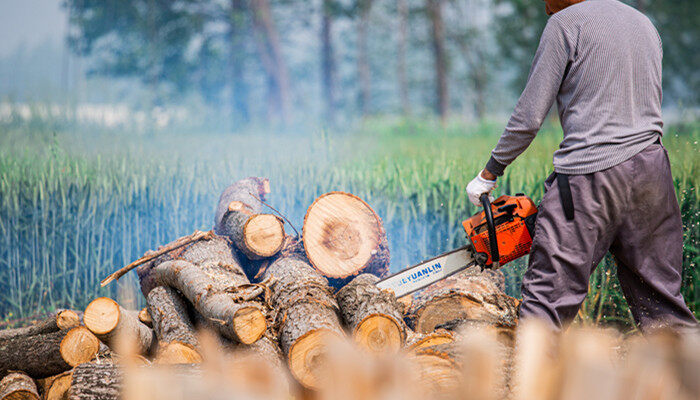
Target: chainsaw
(501, 233)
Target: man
(611, 188)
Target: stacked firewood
(259, 290)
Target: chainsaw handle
(493, 240)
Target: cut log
(344, 237)
(240, 321)
(18, 386)
(112, 323)
(145, 317)
(239, 216)
(60, 320)
(439, 370)
(417, 341)
(92, 381)
(41, 356)
(56, 387)
(465, 297)
(305, 314)
(177, 338)
(371, 314)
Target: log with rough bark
(18, 386)
(177, 338)
(92, 381)
(462, 296)
(111, 323)
(239, 215)
(60, 320)
(56, 387)
(344, 237)
(41, 356)
(305, 315)
(242, 321)
(372, 315)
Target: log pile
(255, 288)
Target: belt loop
(567, 200)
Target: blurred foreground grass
(76, 205)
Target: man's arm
(544, 80)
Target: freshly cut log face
(419, 341)
(145, 317)
(306, 312)
(110, 322)
(177, 353)
(372, 315)
(56, 387)
(18, 386)
(462, 297)
(79, 346)
(239, 215)
(343, 236)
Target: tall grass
(74, 206)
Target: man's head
(554, 6)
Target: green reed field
(77, 204)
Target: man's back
(601, 60)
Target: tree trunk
(240, 321)
(60, 320)
(237, 56)
(177, 338)
(18, 386)
(344, 237)
(93, 381)
(270, 49)
(327, 61)
(239, 216)
(402, 9)
(363, 70)
(434, 8)
(371, 314)
(111, 323)
(48, 354)
(56, 387)
(463, 296)
(306, 312)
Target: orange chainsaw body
(514, 220)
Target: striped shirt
(601, 61)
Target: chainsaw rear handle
(493, 240)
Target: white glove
(479, 186)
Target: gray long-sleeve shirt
(601, 60)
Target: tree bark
(93, 381)
(240, 321)
(111, 323)
(327, 61)
(344, 237)
(238, 83)
(60, 320)
(48, 354)
(239, 216)
(270, 50)
(402, 9)
(177, 338)
(371, 314)
(463, 296)
(434, 8)
(363, 70)
(18, 386)
(305, 314)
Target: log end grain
(249, 324)
(102, 315)
(145, 317)
(343, 236)
(438, 337)
(67, 319)
(18, 386)
(439, 371)
(79, 346)
(263, 235)
(177, 353)
(59, 386)
(379, 333)
(307, 356)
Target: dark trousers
(630, 210)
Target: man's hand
(485, 182)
